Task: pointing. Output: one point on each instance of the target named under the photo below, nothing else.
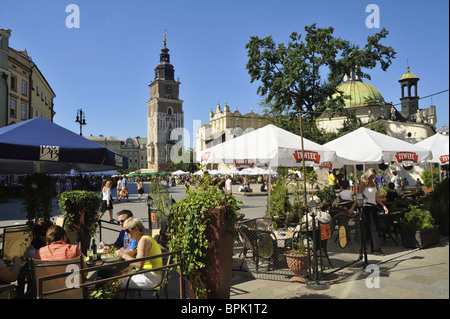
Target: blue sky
(106, 65)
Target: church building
(164, 114)
(409, 123)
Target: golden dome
(357, 93)
(408, 75)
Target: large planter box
(420, 238)
(218, 260)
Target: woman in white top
(107, 204)
(370, 190)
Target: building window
(12, 108)
(13, 83)
(169, 111)
(24, 88)
(23, 112)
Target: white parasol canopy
(268, 145)
(364, 146)
(179, 172)
(438, 145)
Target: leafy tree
(292, 81)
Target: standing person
(58, 186)
(68, 185)
(107, 201)
(332, 183)
(369, 189)
(124, 192)
(396, 180)
(379, 179)
(118, 188)
(140, 187)
(124, 182)
(147, 246)
(228, 189)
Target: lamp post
(312, 207)
(81, 118)
(361, 200)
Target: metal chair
(157, 289)
(43, 270)
(16, 240)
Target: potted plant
(80, 210)
(279, 204)
(297, 259)
(202, 227)
(418, 229)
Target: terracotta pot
(296, 263)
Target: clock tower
(164, 114)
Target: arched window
(169, 111)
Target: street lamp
(81, 118)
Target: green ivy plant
(38, 190)
(73, 204)
(188, 222)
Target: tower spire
(165, 40)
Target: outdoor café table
(284, 237)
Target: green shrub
(426, 177)
(417, 219)
(439, 205)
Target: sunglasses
(121, 221)
(128, 230)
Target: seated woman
(56, 248)
(147, 246)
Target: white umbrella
(364, 146)
(438, 145)
(268, 145)
(232, 172)
(253, 171)
(215, 172)
(179, 172)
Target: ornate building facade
(164, 114)
(24, 91)
(410, 123)
(226, 125)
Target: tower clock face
(168, 88)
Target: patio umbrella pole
(306, 199)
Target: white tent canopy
(270, 146)
(364, 146)
(438, 144)
(180, 172)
